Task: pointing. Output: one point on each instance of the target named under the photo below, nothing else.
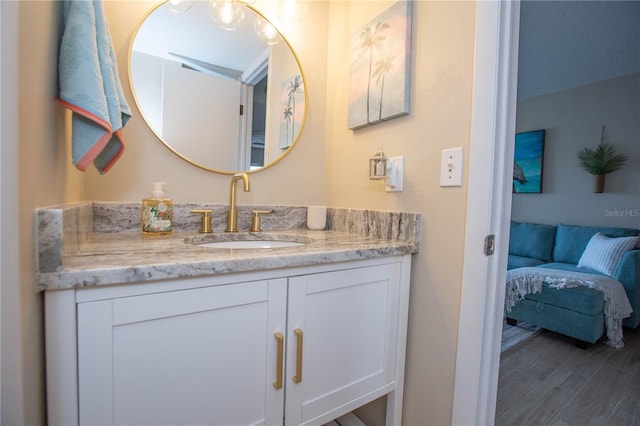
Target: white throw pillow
(603, 254)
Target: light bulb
(178, 6)
(266, 31)
(228, 14)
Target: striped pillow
(603, 254)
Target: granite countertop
(127, 257)
(96, 243)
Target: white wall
(43, 176)
(573, 119)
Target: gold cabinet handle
(280, 342)
(298, 377)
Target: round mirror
(224, 100)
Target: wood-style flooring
(547, 380)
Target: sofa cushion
(532, 240)
(571, 240)
(568, 267)
(521, 261)
(629, 275)
(588, 328)
(603, 254)
(580, 298)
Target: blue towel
(89, 85)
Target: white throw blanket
(523, 281)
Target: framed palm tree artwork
(292, 112)
(379, 74)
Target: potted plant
(601, 161)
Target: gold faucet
(232, 213)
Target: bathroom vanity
(144, 331)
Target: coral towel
(89, 85)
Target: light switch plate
(451, 167)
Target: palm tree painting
(379, 76)
(292, 110)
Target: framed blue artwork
(527, 162)
(380, 68)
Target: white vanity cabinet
(297, 346)
(181, 357)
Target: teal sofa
(575, 312)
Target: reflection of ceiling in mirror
(164, 31)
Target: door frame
(488, 211)
(11, 342)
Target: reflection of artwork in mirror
(379, 77)
(528, 160)
(292, 101)
(212, 95)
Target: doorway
(580, 73)
(258, 126)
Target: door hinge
(241, 109)
(489, 244)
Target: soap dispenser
(157, 212)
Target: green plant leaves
(602, 160)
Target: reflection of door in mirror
(258, 124)
(184, 104)
(252, 115)
(200, 127)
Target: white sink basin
(248, 240)
(253, 244)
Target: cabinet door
(199, 356)
(347, 321)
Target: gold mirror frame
(191, 160)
